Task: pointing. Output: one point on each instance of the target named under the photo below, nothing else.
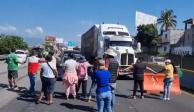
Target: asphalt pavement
(19, 102)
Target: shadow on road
(122, 96)
(149, 96)
(26, 98)
(125, 77)
(152, 96)
(3, 85)
(79, 107)
(59, 95)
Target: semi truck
(100, 37)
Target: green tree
(11, 41)
(167, 20)
(146, 34)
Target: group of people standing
(103, 71)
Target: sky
(69, 19)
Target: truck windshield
(123, 33)
(109, 33)
(121, 43)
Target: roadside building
(170, 39)
(186, 43)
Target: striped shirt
(33, 65)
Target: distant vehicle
(158, 60)
(100, 37)
(3, 57)
(39, 50)
(60, 69)
(22, 55)
(77, 54)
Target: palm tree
(167, 20)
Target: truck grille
(126, 59)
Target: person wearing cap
(103, 91)
(113, 66)
(83, 65)
(168, 80)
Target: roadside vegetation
(11, 41)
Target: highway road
(17, 101)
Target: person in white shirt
(48, 80)
(54, 60)
(70, 77)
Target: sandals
(50, 103)
(38, 101)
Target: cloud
(78, 35)
(8, 29)
(34, 31)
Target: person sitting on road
(103, 91)
(83, 65)
(70, 77)
(168, 80)
(138, 75)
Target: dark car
(76, 54)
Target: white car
(22, 55)
(158, 60)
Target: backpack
(82, 68)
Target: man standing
(12, 61)
(113, 67)
(138, 74)
(33, 68)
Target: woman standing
(70, 78)
(168, 80)
(83, 76)
(48, 80)
(138, 74)
(103, 91)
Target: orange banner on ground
(153, 83)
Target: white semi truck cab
(101, 37)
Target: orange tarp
(153, 83)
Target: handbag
(54, 70)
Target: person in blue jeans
(33, 68)
(113, 66)
(93, 85)
(169, 71)
(103, 91)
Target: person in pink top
(70, 78)
(83, 76)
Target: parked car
(3, 57)
(22, 55)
